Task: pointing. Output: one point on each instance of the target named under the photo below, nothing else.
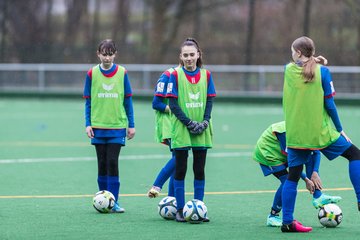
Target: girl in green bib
(271, 153)
(190, 91)
(312, 123)
(163, 135)
(109, 116)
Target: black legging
(198, 164)
(352, 153)
(107, 158)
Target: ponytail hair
(306, 47)
(309, 70)
(192, 42)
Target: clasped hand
(196, 127)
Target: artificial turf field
(48, 177)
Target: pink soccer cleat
(295, 226)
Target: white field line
(122, 157)
(162, 194)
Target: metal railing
(230, 80)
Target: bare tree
(307, 14)
(250, 32)
(145, 32)
(48, 30)
(3, 30)
(197, 18)
(121, 21)
(64, 31)
(27, 18)
(75, 10)
(354, 6)
(158, 29)
(174, 24)
(95, 29)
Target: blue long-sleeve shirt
(329, 93)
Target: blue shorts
(336, 149)
(106, 140)
(267, 170)
(297, 157)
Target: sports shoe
(206, 219)
(325, 199)
(359, 206)
(295, 226)
(274, 221)
(154, 192)
(180, 216)
(117, 209)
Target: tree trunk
(95, 31)
(3, 31)
(48, 31)
(121, 22)
(159, 8)
(250, 33)
(175, 24)
(307, 15)
(75, 12)
(197, 19)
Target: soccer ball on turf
(195, 211)
(167, 208)
(330, 215)
(103, 201)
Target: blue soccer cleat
(274, 221)
(325, 199)
(117, 209)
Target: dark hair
(192, 42)
(107, 46)
(306, 47)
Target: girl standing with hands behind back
(109, 116)
(310, 114)
(190, 91)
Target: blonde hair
(306, 47)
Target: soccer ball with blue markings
(167, 208)
(103, 201)
(330, 215)
(195, 211)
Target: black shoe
(359, 206)
(295, 226)
(180, 216)
(287, 228)
(206, 219)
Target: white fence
(230, 80)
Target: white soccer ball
(103, 201)
(167, 208)
(330, 215)
(195, 211)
